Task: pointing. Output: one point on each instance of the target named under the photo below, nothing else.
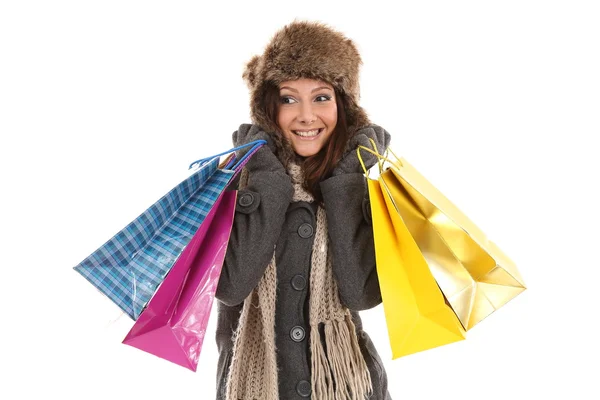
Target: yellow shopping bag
(475, 276)
(417, 315)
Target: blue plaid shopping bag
(130, 266)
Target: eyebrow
(312, 91)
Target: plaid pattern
(129, 267)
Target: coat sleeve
(346, 200)
(259, 217)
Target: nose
(307, 114)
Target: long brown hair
(320, 166)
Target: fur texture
(305, 49)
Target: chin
(303, 152)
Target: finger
(388, 139)
(362, 140)
(382, 142)
(254, 131)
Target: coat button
(305, 231)
(246, 199)
(298, 282)
(303, 388)
(297, 333)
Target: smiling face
(307, 114)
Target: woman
(300, 262)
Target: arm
(259, 216)
(346, 199)
(351, 240)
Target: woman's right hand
(264, 159)
(247, 133)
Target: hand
(264, 159)
(350, 163)
(247, 133)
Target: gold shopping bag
(417, 315)
(476, 277)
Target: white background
(103, 105)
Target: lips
(307, 133)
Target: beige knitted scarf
(339, 371)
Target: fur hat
(312, 50)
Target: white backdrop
(104, 104)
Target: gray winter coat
(265, 217)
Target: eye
(323, 97)
(287, 100)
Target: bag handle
(255, 145)
(231, 161)
(381, 158)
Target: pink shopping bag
(174, 323)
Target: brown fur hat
(312, 50)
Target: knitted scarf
(339, 371)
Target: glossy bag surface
(130, 266)
(173, 325)
(438, 272)
(417, 315)
(476, 277)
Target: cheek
(332, 117)
(283, 119)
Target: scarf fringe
(339, 372)
(322, 384)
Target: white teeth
(314, 132)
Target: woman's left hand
(350, 163)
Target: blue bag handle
(231, 162)
(255, 144)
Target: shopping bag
(129, 267)
(476, 277)
(174, 323)
(416, 314)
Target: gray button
(305, 231)
(303, 388)
(298, 282)
(246, 199)
(297, 334)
